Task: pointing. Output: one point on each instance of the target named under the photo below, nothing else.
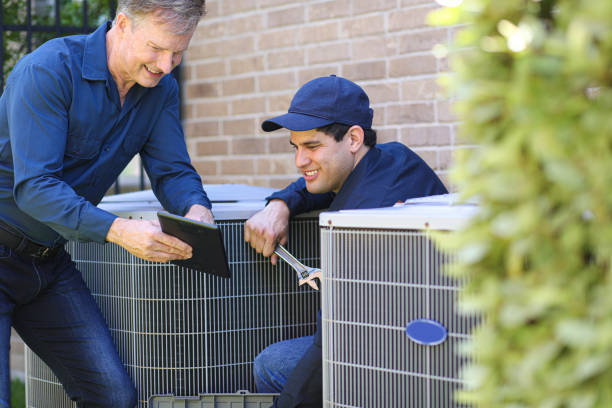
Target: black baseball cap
(324, 101)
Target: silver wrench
(306, 274)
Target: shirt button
(106, 149)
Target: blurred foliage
(14, 12)
(17, 394)
(532, 80)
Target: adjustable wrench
(306, 274)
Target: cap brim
(294, 121)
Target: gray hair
(182, 15)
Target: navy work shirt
(388, 173)
(64, 139)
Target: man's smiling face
(149, 50)
(324, 163)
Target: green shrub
(532, 82)
(17, 394)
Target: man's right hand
(267, 228)
(145, 239)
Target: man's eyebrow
(151, 43)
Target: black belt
(23, 246)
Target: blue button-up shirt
(64, 139)
(388, 173)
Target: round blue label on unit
(426, 332)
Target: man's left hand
(200, 213)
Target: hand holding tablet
(205, 239)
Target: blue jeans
(273, 365)
(48, 304)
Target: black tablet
(205, 239)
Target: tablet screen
(205, 239)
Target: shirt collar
(94, 57)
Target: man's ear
(355, 134)
(122, 22)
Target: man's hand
(267, 228)
(200, 213)
(145, 239)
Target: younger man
(330, 122)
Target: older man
(72, 116)
(330, 122)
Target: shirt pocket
(82, 146)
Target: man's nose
(301, 158)
(164, 63)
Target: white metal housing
(381, 271)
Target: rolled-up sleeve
(37, 112)
(174, 181)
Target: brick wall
(248, 57)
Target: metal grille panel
(185, 333)
(375, 282)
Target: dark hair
(338, 130)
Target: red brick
(235, 6)
(308, 74)
(280, 102)
(284, 59)
(410, 113)
(278, 39)
(209, 69)
(430, 157)
(252, 145)
(202, 90)
(379, 47)
(382, 92)
(234, 166)
(413, 65)
(243, 25)
(212, 9)
(242, 65)
(409, 19)
(358, 27)
(248, 105)
(386, 135)
(277, 82)
(422, 41)
(445, 112)
(329, 53)
(269, 3)
(366, 6)
(319, 33)
(438, 135)
(211, 29)
(238, 86)
(279, 143)
(288, 16)
(210, 109)
(238, 46)
(284, 164)
(201, 50)
(206, 168)
(364, 70)
(445, 159)
(282, 182)
(238, 127)
(198, 129)
(212, 148)
(421, 89)
(329, 10)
